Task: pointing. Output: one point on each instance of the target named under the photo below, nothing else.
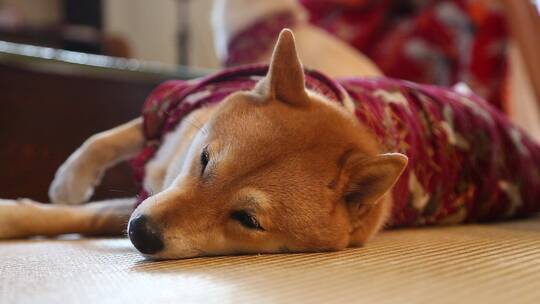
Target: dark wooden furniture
(52, 100)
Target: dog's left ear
(369, 178)
(285, 78)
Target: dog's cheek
(237, 237)
(335, 232)
(240, 241)
(343, 228)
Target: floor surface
(495, 263)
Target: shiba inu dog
(243, 162)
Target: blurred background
(156, 30)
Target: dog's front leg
(75, 180)
(25, 218)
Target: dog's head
(275, 169)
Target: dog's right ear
(285, 78)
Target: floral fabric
(440, 42)
(467, 162)
(247, 46)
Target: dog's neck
(232, 16)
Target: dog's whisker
(203, 128)
(197, 124)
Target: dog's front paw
(17, 218)
(75, 180)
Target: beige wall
(150, 27)
(523, 107)
(201, 47)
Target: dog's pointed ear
(367, 181)
(285, 78)
(369, 178)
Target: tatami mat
(465, 264)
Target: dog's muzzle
(144, 236)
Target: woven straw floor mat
(497, 263)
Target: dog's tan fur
(303, 166)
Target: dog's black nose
(144, 236)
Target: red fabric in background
(440, 42)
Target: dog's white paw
(16, 218)
(75, 180)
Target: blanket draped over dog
(467, 162)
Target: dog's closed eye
(205, 158)
(246, 219)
